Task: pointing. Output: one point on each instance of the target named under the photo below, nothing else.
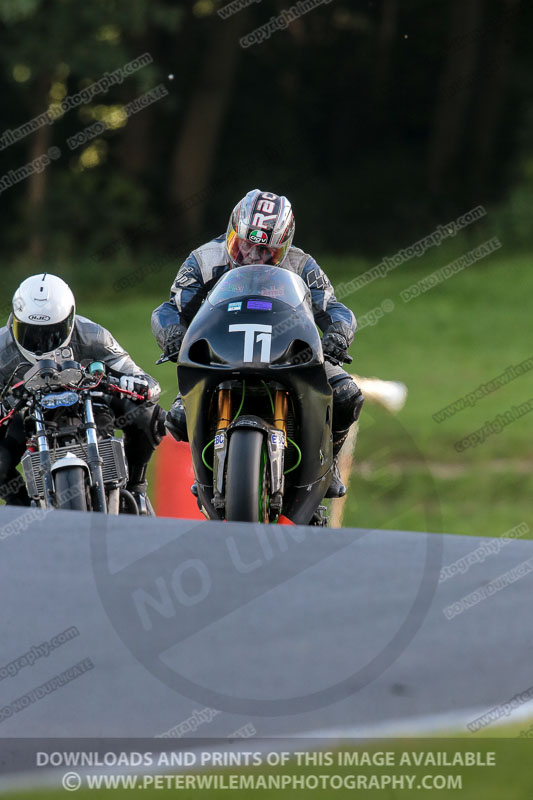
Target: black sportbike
(258, 404)
(73, 459)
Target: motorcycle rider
(43, 321)
(261, 231)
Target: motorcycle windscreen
(274, 283)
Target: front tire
(71, 494)
(246, 498)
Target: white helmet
(44, 311)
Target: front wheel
(70, 487)
(246, 477)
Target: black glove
(336, 341)
(171, 340)
(335, 347)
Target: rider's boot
(138, 485)
(337, 487)
(6, 465)
(176, 425)
(176, 422)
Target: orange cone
(174, 477)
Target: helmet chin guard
(44, 311)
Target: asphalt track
(284, 630)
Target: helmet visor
(243, 252)
(40, 339)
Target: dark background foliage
(378, 118)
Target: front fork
(45, 461)
(94, 459)
(221, 445)
(276, 444)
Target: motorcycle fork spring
(281, 410)
(224, 408)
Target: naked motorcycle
(73, 459)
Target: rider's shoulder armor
(210, 256)
(296, 260)
(91, 340)
(10, 355)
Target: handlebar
(335, 361)
(165, 359)
(109, 382)
(106, 382)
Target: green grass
(443, 344)
(447, 342)
(479, 503)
